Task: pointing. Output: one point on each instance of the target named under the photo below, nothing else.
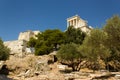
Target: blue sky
(20, 15)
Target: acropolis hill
(23, 65)
(19, 47)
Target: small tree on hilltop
(70, 55)
(4, 51)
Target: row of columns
(72, 22)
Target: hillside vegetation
(99, 45)
(67, 55)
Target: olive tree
(93, 47)
(70, 55)
(112, 28)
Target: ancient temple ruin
(77, 22)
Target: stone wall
(16, 46)
(19, 47)
(27, 35)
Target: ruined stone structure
(27, 35)
(19, 46)
(16, 46)
(77, 22)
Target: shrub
(4, 51)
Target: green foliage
(74, 35)
(112, 28)
(32, 42)
(96, 38)
(68, 52)
(4, 51)
(93, 46)
(47, 41)
(100, 44)
(70, 55)
(53, 37)
(104, 44)
(96, 41)
(43, 49)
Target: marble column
(76, 23)
(70, 23)
(67, 23)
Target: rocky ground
(44, 67)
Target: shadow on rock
(4, 72)
(4, 77)
(104, 77)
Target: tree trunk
(73, 68)
(55, 47)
